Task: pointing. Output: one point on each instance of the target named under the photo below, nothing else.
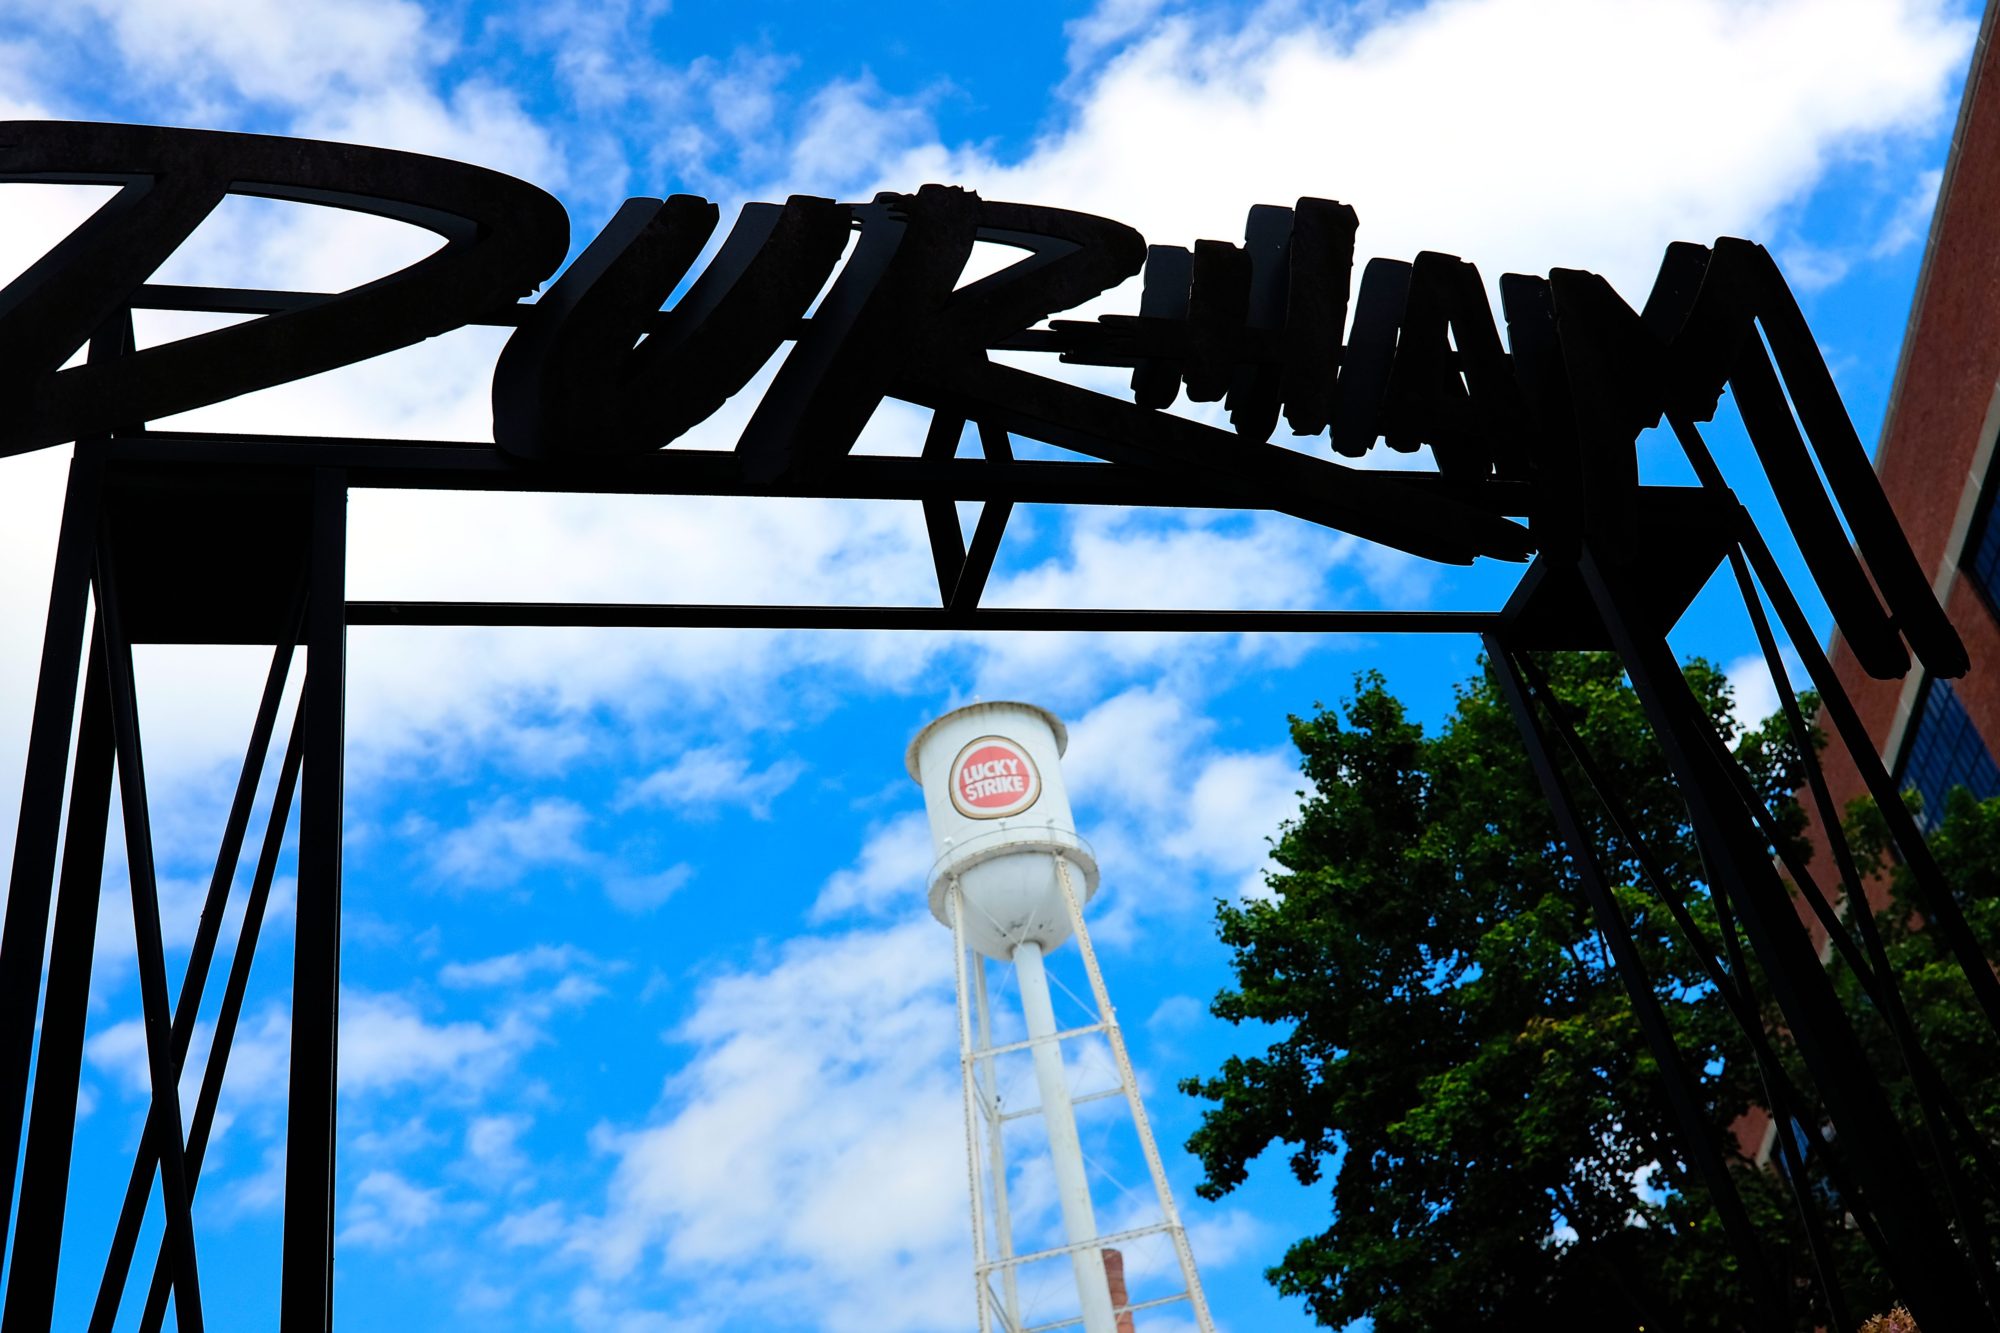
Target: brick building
(1935, 461)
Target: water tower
(1010, 880)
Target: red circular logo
(993, 777)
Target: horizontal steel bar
(1094, 1243)
(1053, 1037)
(1117, 1310)
(387, 464)
(698, 615)
(377, 463)
(1074, 1101)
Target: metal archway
(178, 536)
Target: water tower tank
(1010, 882)
(999, 817)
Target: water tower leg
(1065, 1149)
(996, 1153)
(971, 1112)
(1147, 1145)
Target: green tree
(1456, 1050)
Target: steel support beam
(307, 1299)
(1938, 1288)
(31, 1286)
(38, 832)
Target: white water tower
(1010, 880)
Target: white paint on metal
(1065, 1150)
(1154, 1166)
(970, 1077)
(996, 1148)
(993, 789)
(1010, 880)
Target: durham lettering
(597, 368)
(502, 237)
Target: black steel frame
(1543, 430)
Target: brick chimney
(1114, 1273)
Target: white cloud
(476, 121)
(1272, 108)
(889, 877)
(798, 1154)
(537, 1228)
(1169, 812)
(1130, 559)
(361, 71)
(849, 129)
(493, 1155)
(1812, 268)
(262, 1192)
(853, 1035)
(1221, 1237)
(181, 902)
(639, 894)
(702, 780)
(510, 969)
(806, 1151)
(387, 1043)
(1422, 120)
(1755, 695)
(1110, 23)
(1175, 1013)
(506, 841)
(1234, 807)
(266, 50)
(119, 1051)
(386, 1209)
(1173, 810)
(1912, 219)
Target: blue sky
(645, 1023)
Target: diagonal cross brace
(161, 1065)
(962, 571)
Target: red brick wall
(1944, 388)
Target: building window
(1947, 751)
(1985, 562)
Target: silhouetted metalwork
(179, 536)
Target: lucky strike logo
(992, 777)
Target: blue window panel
(1986, 559)
(1947, 751)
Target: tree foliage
(1457, 1053)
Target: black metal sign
(189, 536)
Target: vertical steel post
(31, 1287)
(306, 1303)
(1940, 1109)
(1697, 1138)
(1940, 1290)
(1937, 901)
(1734, 986)
(31, 885)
